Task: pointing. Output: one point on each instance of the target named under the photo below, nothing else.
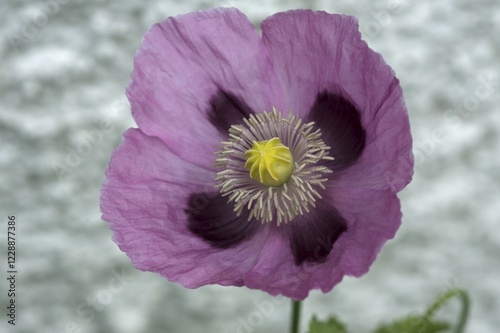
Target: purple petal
(372, 217)
(227, 109)
(313, 52)
(186, 60)
(387, 160)
(312, 235)
(144, 198)
(217, 223)
(341, 128)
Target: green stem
(444, 298)
(295, 316)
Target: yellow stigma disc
(270, 162)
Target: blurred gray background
(63, 71)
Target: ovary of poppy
(206, 88)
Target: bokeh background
(63, 71)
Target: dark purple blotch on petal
(213, 220)
(312, 235)
(340, 124)
(227, 109)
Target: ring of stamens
(268, 203)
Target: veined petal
(316, 52)
(372, 217)
(185, 65)
(144, 199)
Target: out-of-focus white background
(63, 71)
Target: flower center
(270, 162)
(272, 167)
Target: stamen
(270, 167)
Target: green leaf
(415, 324)
(332, 325)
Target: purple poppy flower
(267, 161)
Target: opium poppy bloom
(270, 161)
